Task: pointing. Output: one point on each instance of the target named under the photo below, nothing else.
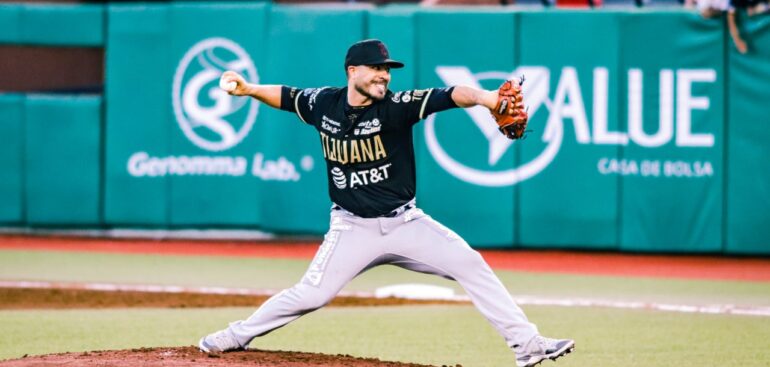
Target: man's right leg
(426, 246)
(346, 251)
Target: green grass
(424, 334)
(278, 274)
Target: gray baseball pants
(411, 240)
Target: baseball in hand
(227, 85)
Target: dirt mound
(191, 356)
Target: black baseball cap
(370, 52)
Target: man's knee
(463, 258)
(472, 259)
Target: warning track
(591, 263)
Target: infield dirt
(37, 298)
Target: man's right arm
(276, 96)
(267, 94)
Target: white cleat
(219, 342)
(541, 348)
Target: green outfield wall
(649, 132)
(11, 158)
(52, 24)
(747, 194)
(53, 147)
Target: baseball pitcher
(366, 136)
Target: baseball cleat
(219, 342)
(542, 348)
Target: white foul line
(723, 309)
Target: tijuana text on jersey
(368, 150)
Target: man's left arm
(506, 105)
(468, 97)
(441, 99)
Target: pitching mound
(191, 356)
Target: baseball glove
(509, 112)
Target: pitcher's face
(371, 81)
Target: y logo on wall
(536, 95)
(567, 104)
(213, 120)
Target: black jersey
(368, 150)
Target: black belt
(393, 213)
(398, 211)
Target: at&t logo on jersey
(565, 105)
(361, 177)
(339, 178)
(209, 117)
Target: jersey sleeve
(414, 105)
(440, 99)
(302, 102)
